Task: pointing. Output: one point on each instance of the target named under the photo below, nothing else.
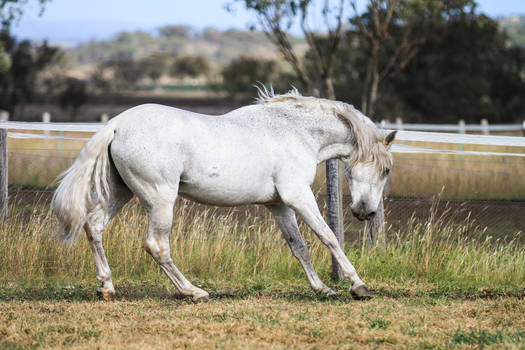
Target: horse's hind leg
(287, 222)
(158, 246)
(95, 225)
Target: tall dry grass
(241, 245)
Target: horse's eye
(387, 171)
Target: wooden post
(4, 116)
(104, 118)
(461, 130)
(3, 175)
(46, 118)
(334, 194)
(374, 227)
(399, 123)
(485, 126)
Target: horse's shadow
(83, 293)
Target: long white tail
(84, 185)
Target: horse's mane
(367, 139)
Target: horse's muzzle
(364, 216)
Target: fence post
(334, 197)
(4, 116)
(3, 175)
(461, 130)
(485, 127)
(46, 118)
(524, 128)
(104, 118)
(399, 123)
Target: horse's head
(367, 175)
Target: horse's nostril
(371, 215)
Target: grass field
(437, 285)
(276, 316)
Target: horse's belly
(219, 194)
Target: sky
(69, 22)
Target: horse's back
(222, 160)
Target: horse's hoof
(201, 297)
(361, 293)
(328, 292)
(105, 295)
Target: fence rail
(41, 130)
(483, 127)
(402, 135)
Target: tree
(181, 31)
(242, 74)
(5, 61)
(190, 66)
(465, 69)
(73, 95)
(18, 83)
(275, 18)
(127, 73)
(154, 66)
(12, 10)
(392, 32)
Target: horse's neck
(330, 136)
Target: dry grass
(278, 320)
(437, 285)
(245, 244)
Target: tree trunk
(374, 86)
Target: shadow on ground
(137, 292)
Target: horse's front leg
(285, 218)
(302, 200)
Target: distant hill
(515, 28)
(219, 47)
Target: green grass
(482, 337)
(213, 247)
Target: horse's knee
(157, 251)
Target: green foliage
(18, 83)
(127, 73)
(190, 66)
(462, 68)
(242, 74)
(12, 10)
(218, 47)
(73, 95)
(5, 61)
(483, 337)
(155, 66)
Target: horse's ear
(389, 139)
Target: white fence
(402, 135)
(461, 127)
